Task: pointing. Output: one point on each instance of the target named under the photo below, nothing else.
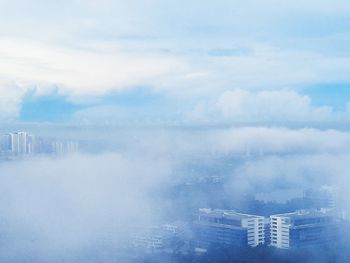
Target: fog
(84, 207)
(53, 206)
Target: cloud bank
(86, 49)
(85, 207)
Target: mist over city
(174, 131)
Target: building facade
(20, 143)
(303, 228)
(227, 228)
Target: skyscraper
(19, 143)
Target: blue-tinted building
(226, 228)
(303, 229)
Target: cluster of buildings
(318, 225)
(166, 237)
(22, 143)
(304, 228)
(230, 229)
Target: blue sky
(335, 95)
(181, 61)
(135, 105)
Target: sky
(182, 62)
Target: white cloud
(10, 101)
(260, 106)
(81, 71)
(90, 47)
(101, 115)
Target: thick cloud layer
(86, 206)
(52, 208)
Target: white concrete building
(18, 143)
(303, 228)
(229, 228)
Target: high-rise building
(22, 143)
(227, 228)
(63, 147)
(19, 143)
(303, 228)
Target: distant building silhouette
(324, 197)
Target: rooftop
(231, 214)
(307, 213)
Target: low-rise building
(303, 228)
(167, 237)
(227, 228)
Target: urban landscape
(314, 223)
(318, 226)
(19, 144)
(187, 131)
